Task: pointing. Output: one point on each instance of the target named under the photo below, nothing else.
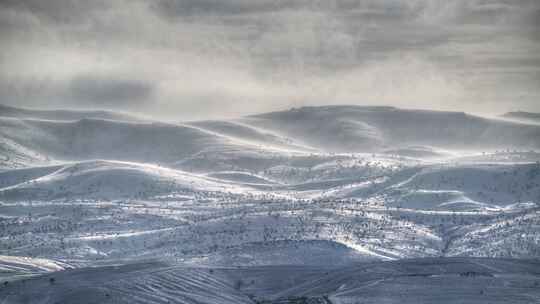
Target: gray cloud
(178, 8)
(188, 56)
(108, 91)
(59, 11)
(87, 91)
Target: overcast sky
(195, 59)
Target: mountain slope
(105, 180)
(407, 133)
(13, 112)
(408, 281)
(361, 129)
(106, 139)
(468, 186)
(523, 116)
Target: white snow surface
(179, 212)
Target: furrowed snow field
(341, 204)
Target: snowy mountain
(7, 111)
(523, 116)
(318, 204)
(361, 129)
(408, 281)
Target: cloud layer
(191, 59)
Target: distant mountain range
(525, 116)
(80, 135)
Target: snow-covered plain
(340, 204)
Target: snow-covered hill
(409, 281)
(523, 116)
(333, 186)
(67, 115)
(106, 139)
(361, 129)
(104, 180)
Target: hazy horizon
(173, 117)
(210, 59)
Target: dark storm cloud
(61, 11)
(108, 91)
(88, 91)
(177, 8)
(382, 9)
(257, 55)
